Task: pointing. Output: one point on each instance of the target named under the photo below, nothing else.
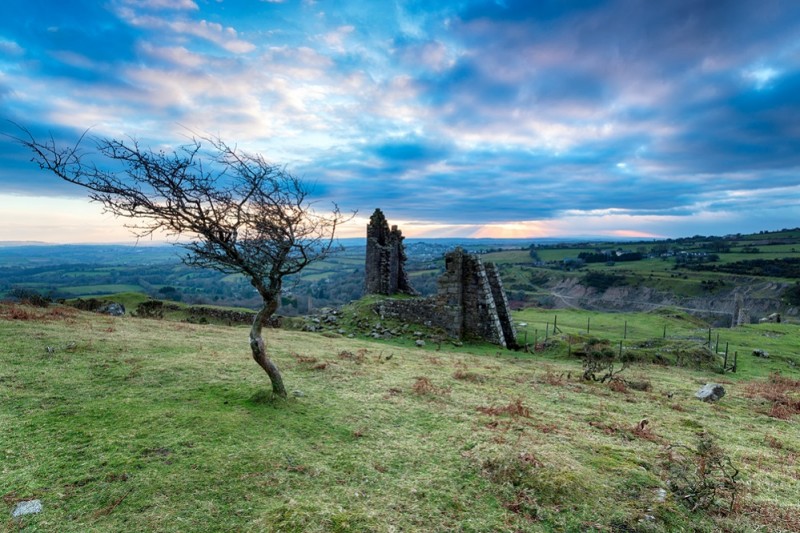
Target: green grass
(130, 299)
(92, 290)
(124, 424)
(668, 330)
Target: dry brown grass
(358, 357)
(424, 387)
(472, 377)
(304, 359)
(10, 311)
(515, 408)
(781, 392)
(644, 430)
(617, 385)
(772, 516)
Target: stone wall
(384, 268)
(501, 304)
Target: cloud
(171, 5)
(10, 48)
(464, 116)
(225, 37)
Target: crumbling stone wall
(473, 300)
(385, 271)
(501, 305)
(470, 303)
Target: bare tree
(234, 211)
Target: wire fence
(625, 334)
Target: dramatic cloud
(513, 118)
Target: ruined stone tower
(473, 301)
(385, 271)
(470, 301)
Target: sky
(464, 118)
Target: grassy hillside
(125, 424)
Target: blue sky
(463, 118)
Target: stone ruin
(473, 302)
(385, 271)
(470, 302)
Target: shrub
(150, 309)
(703, 477)
(30, 297)
(792, 294)
(599, 361)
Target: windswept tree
(231, 210)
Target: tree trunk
(259, 349)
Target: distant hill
(542, 272)
(21, 243)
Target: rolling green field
(125, 424)
(70, 271)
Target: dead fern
(781, 392)
(423, 387)
(515, 408)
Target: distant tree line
(600, 257)
(788, 267)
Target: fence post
(555, 324)
(625, 333)
(547, 331)
(735, 357)
(709, 338)
(716, 347)
(725, 362)
(665, 331)
(588, 318)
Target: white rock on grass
(711, 392)
(27, 507)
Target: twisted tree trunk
(259, 348)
